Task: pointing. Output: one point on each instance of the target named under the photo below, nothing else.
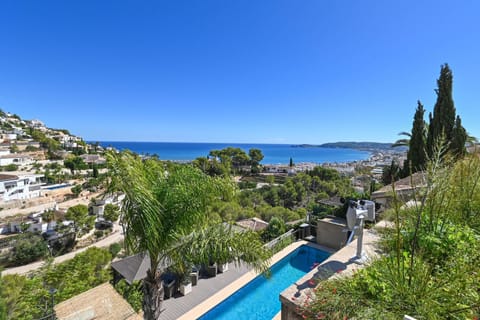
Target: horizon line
(206, 142)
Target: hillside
(365, 146)
(18, 134)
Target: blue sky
(269, 71)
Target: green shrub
(132, 293)
(276, 227)
(10, 167)
(25, 297)
(247, 184)
(114, 249)
(27, 248)
(98, 233)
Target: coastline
(274, 154)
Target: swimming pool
(57, 186)
(259, 299)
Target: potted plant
(194, 276)
(181, 270)
(222, 267)
(222, 262)
(185, 285)
(211, 269)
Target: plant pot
(223, 267)
(212, 270)
(194, 277)
(185, 288)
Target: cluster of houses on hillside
(36, 222)
(15, 131)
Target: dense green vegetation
(115, 249)
(288, 198)
(83, 222)
(111, 212)
(28, 298)
(276, 227)
(9, 167)
(132, 293)
(292, 199)
(429, 269)
(75, 163)
(26, 248)
(76, 190)
(50, 144)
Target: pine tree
(416, 156)
(443, 120)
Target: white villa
(35, 123)
(8, 137)
(97, 207)
(67, 141)
(272, 168)
(20, 187)
(18, 159)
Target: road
(116, 236)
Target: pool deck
(178, 306)
(210, 292)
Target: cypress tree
(457, 145)
(443, 120)
(416, 155)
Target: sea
(273, 153)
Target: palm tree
(471, 140)
(403, 142)
(164, 214)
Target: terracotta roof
(254, 224)
(15, 156)
(7, 177)
(408, 183)
(90, 158)
(99, 303)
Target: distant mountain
(367, 146)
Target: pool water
(259, 299)
(59, 186)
